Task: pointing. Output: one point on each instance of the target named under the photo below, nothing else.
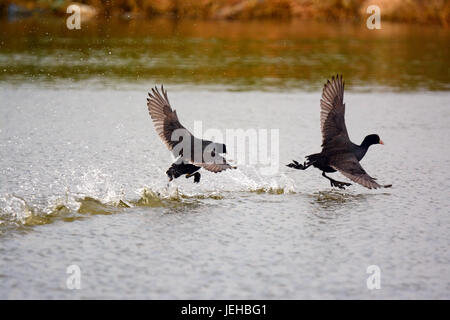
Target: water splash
(95, 192)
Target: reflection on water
(241, 55)
(332, 204)
(334, 196)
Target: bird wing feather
(164, 118)
(332, 111)
(349, 166)
(166, 122)
(219, 164)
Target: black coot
(192, 153)
(338, 152)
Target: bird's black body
(338, 152)
(321, 161)
(178, 169)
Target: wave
(24, 212)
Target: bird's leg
(299, 166)
(170, 176)
(334, 183)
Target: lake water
(83, 172)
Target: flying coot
(338, 152)
(192, 153)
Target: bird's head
(372, 139)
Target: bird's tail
(313, 158)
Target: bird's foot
(339, 184)
(297, 165)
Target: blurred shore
(411, 11)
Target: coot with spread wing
(192, 153)
(338, 152)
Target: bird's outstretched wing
(219, 164)
(166, 122)
(332, 111)
(164, 118)
(349, 166)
